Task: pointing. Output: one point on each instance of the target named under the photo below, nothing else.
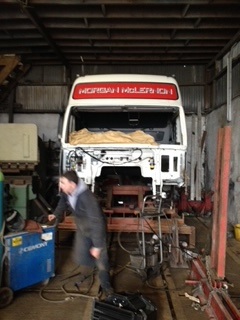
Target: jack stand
(213, 296)
(202, 207)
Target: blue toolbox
(29, 258)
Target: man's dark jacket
(90, 223)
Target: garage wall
(218, 118)
(214, 121)
(47, 124)
(47, 89)
(42, 98)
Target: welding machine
(29, 257)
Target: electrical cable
(52, 301)
(120, 243)
(69, 295)
(2, 233)
(162, 288)
(107, 162)
(138, 242)
(121, 268)
(165, 282)
(160, 239)
(77, 284)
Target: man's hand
(51, 217)
(95, 252)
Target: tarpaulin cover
(85, 136)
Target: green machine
(18, 159)
(20, 195)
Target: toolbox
(130, 306)
(104, 310)
(29, 258)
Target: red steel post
(216, 199)
(223, 202)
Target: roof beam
(227, 47)
(40, 27)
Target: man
(90, 248)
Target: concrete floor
(59, 299)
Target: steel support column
(220, 212)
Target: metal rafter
(104, 31)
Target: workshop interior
(149, 227)
(149, 120)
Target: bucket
(237, 231)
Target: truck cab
(125, 128)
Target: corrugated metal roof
(69, 32)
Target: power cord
(70, 295)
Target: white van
(126, 127)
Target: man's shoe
(105, 293)
(108, 292)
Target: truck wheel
(6, 296)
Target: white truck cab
(129, 127)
